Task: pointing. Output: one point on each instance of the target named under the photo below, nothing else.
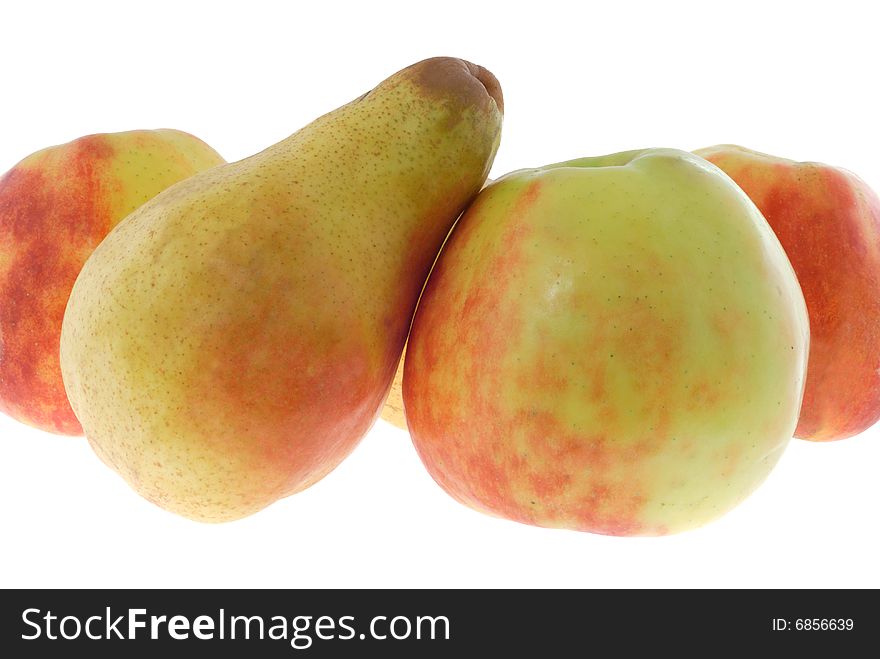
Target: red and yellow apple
(56, 206)
(613, 344)
(828, 221)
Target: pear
(231, 341)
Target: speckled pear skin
(232, 340)
(614, 344)
(56, 206)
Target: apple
(56, 206)
(828, 221)
(392, 411)
(613, 344)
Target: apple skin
(828, 221)
(614, 344)
(56, 206)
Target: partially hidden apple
(828, 221)
(613, 344)
(56, 206)
(392, 411)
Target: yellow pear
(232, 340)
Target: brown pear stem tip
(452, 78)
(489, 81)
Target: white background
(581, 78)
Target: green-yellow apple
(232, 341)
(613, 344)
(828, 221)
(56, 205)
